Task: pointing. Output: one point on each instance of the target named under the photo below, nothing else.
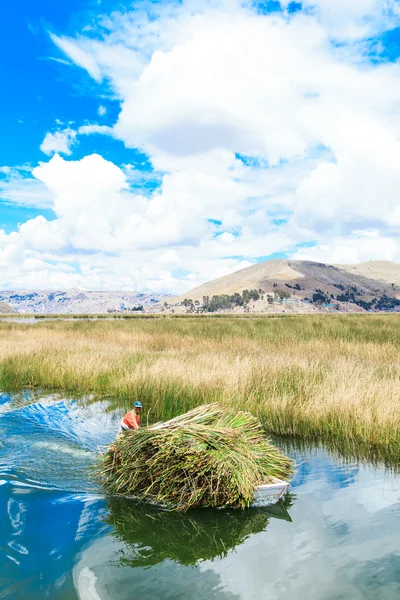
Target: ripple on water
(335, 537)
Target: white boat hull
(269, 493)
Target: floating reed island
(210, 456)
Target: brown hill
(5, 309)
(300, 278)
(381, 270)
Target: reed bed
(151, 536)
(210, 456)
(328, 377)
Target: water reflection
(41, 532)
(344, 451)
(48, 504)
(61, 539)
(151, 536)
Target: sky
(156, 145)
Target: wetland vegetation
(329, 377)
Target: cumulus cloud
(268, 132)
(63, 141)
(58, 141)
(121, 238)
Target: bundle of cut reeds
(210, 456)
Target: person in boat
(131, 421)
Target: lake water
(335, 537)
(21, 320)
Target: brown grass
(326, 377)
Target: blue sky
(140, 152)
(41, 91)
(38, 91)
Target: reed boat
(269, 493)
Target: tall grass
(330, 377)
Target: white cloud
(203, 95)
(100, 60)
(123, 239)
(101, 111)
(20, 188)
(94, 128)
(349, 20)
(362, 247)
(58, 142)
(317, 124)
(63, 141)
(78, 56)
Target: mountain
(381, 270)
(76, 301)
(309, 275)
(310, 282)
(5, 309)
(287, 286)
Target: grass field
(329, 377)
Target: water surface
(336, 536)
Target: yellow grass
(325, 377)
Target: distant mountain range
(5, 309)
(296, 286)
(381, 270)
(303, 286)
(75, 301)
